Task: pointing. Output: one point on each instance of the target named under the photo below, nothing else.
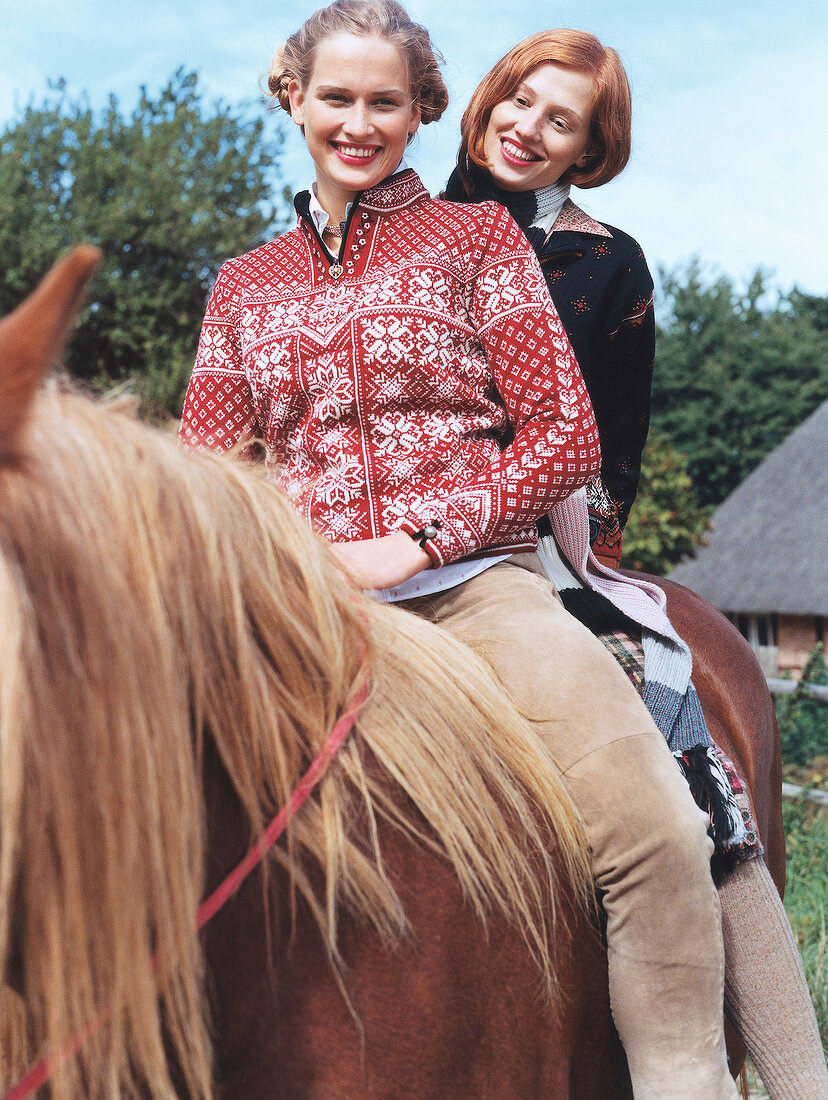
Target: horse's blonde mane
(149, 599)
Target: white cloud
(732, 168)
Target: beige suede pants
(648, 840)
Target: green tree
(734, 376)
(666, 522)
(168, 192)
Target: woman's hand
(384, 562)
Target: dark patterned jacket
(603, 291)
(601, 286)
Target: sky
(729, 154)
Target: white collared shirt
(320, 215)
(430, 581)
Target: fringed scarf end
(713, 794)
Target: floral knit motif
(384, 396)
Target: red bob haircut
(611, 110)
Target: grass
(804, 734)
(806, 898)
(806, 902)
(803, 728)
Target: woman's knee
(641, 820)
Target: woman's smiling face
(541, 130)
(357, 113)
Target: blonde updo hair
(384, 19)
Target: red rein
(39, 1074)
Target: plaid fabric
(629, 653)
(668, 694)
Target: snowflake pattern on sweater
(384, 396)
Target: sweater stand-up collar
(395, 193)
(389, 196)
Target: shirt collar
(573, 219)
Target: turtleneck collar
(549, 201)
(530, 209)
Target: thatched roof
(768, 551)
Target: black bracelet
(425, 533)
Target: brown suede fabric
(648, 839)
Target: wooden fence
(788, 687)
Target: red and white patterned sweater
(384, 396)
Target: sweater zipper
(335, 266)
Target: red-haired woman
(556, 111)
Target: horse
(175, 648)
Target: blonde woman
(401, 364)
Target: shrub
(803, 721)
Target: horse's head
(32, 338)
(79, 647)
(150, 599)
(147, 597)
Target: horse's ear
(33, 336)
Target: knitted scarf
(530, 209)
(605, 600)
